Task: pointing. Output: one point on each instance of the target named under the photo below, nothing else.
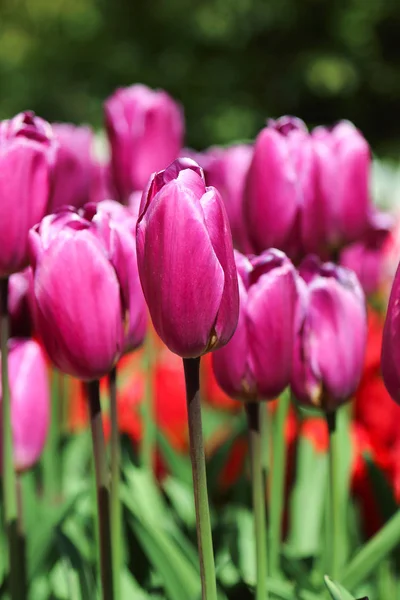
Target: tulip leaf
(307, 501)
(178, 464)
(385, 498)
(336, 591)
(181, 498)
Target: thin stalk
(148, 444)
(52, 474)
(203, 524)
(334, 494)
(102, 482)
(116, 532)
(278, 482)
(9, 478)
(258, 491)
(21, 539)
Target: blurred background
(231, 63)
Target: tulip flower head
(20, 304)
(185, 260)
(26, 157)
(390, 359)
(77, 299)
(145, 129)
(30, 401)
(257, 362)
(331, 330)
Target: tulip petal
(390, 360)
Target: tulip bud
(77, 296)
(185, 260)
(366, 257)
(390, 358)
(145, 128)
(73, 166)
(227, 170)
(26, 156)
(20, 304)
(30, 401)
(122, 224)
(344, 164)
(331, 331)
(280, 204)
(257, 363)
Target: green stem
(149, 431)
(23, 586)
(52, 475)
(9, 479)
(278, 482)
(115, 482)
(334, 489)
(102, 482)
(258, 491)
(203, 523)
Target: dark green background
(230, 62)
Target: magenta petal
(78, 306)
(230, 362)
(220, 235)
(30, 401)
(273, 194)
(270, 314)
(172, 238)
(390, 360)
(24, 190)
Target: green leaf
(383, 492)
(178, 464)
(71, 555)
(336, 591)
(181, 497)
(241, 542)
(307, 501)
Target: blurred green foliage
(231, 63)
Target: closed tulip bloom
(30, 401)
(280, 203)
(122, 223)
(366, 257)
(227, 171)
(26, 156)
(344, 165)
(145, 129)
(20, 304)
(257, 363)
(77, 296)
(331, 330)
(390, 359)
(185, 260)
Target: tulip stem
(278, 481)
(334, 496)
(116, 532)
(52, 472)
(102, 482)
(197, 456)
(149, 430)
(253, 412)
(9, 478)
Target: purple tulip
(20, 304)
(344, 163)
(281, 204)
(122, 222)
(257, 363)
(366, 257)
(226, 170)
(77, 295)
(145, 128)
(390, 358)
(331, 331)
(73, 166)
(30, 401)
(186, 263)
(26, 156)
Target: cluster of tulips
(262, 254)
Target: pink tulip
(77, 295)
(30, 401)
(257, 362)
(20, 304)
(185, 260)
(26, 157)
(145, 128)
